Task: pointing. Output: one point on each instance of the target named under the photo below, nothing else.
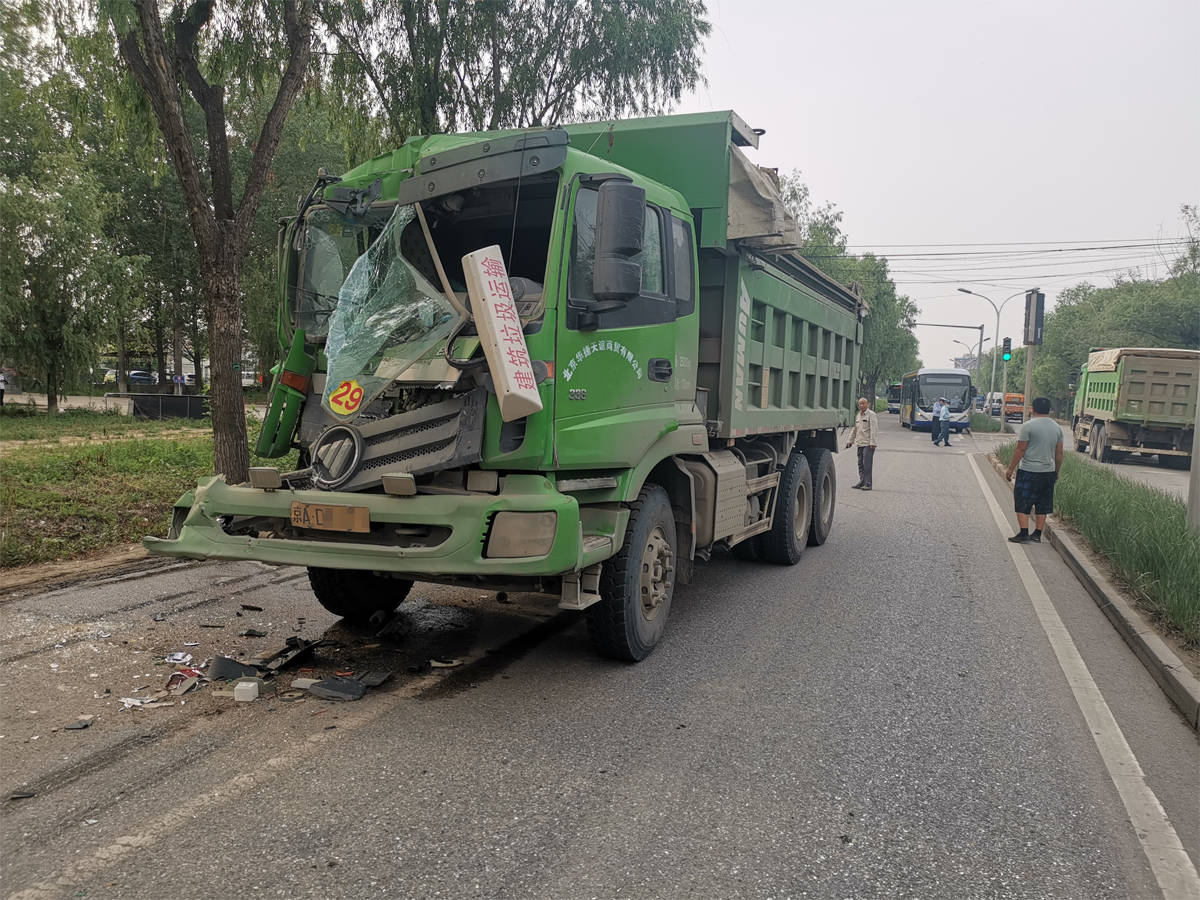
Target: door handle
(660, 369)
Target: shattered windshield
(382, 318)
(332, 243)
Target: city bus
(919, 390)
(893, 397)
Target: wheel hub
(657, 569)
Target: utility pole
(1035, 311)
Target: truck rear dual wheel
(824, 494)
(637, 584)
(790, 526)
(355, 595)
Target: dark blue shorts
(1034, 489)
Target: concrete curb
(1176, 681)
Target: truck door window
(652, 306)
(681, 257)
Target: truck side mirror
(620, 230)
(1071, 384)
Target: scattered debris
(223, 693)
(91, 821)
(502, 597)
(159, 617)
(212, 624)
(344, 673)
(179, 658)
(374, 677)
(338, 689)
(304, 683)
(245, 690)
(179, 683)
(291, 696)
(252, 632)
(105, 634)
(417, 669)
(191, 643)
(21, 795)
(223, 667)
(250, 607)
(440, 663)
(145, 702)
(290, 651)
(79, 724)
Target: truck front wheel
(785, 541)
(637, 584)
(355, 595)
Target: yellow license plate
(327, 517)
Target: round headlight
(335, 456)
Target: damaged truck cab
(572, 361)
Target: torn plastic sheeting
(179, 658)
(338, 689)
(292, 650)
(387, 316)
(223, 667)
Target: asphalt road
(886, 719)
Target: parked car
(138, 376)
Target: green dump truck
(573, 361)
(1137, 400)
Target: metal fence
(163, 406)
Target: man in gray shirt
(1036, 461)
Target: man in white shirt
(865, 436)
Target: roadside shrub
(1143, 534)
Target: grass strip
(60, 502)
(25, 423)
(980, 422)
(1143, 534)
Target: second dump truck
(1137, 400)
(574, 361)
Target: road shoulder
(1165, 666)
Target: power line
(1142, 240)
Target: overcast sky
(943, 123)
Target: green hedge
(1141, 531)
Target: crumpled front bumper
(466, 515)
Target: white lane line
(1172, 866)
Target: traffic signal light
(1006, 352)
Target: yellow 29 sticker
(346, 398)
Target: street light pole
(992, 388)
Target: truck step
(581, 589)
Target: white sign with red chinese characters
(499, 328)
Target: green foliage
(56, 271)
(889, 347)
(1141, 531)
(424, 66)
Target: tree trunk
(177, 348)
(222, 289)
(160, 340)
(122, 363)
(52, 378)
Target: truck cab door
(617, 373)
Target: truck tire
(785, 541)
(824, 494)
(1096, 442)
(1080, 444)
(355, 595)
(636, 585)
